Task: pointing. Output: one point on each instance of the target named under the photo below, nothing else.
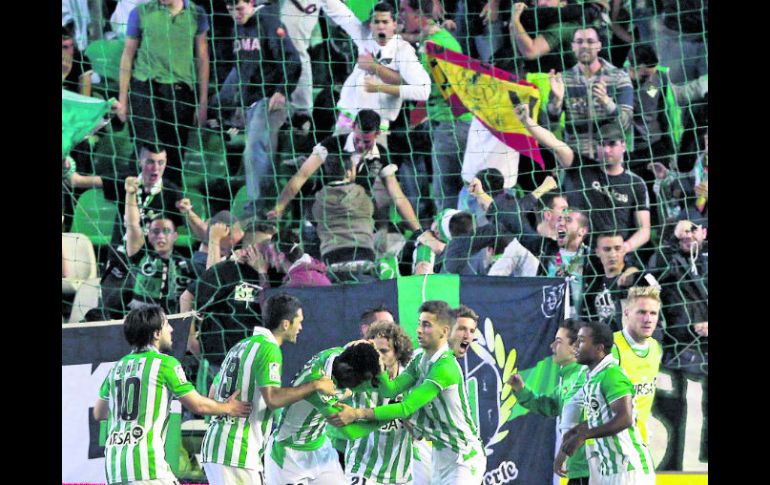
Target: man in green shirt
(136, 395)
(233, 448)
(448, 132)
(614, 447)
(559, 401)
(435, 402)
(165, 55)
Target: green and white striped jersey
(445, 420)
(139, 389)
(384, 456)
(624, 451)
(252, 363)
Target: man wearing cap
(615, 200)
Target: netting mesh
(286, 88)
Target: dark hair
(492, 181)
(368, 121)
(356, 364)
(65, 32)
(602, 334)
(384, 7)
(422, 7)
(288, 243)
(572, 326)
(221, 217)
(643, 55)
(602, 235)
(150, 147)
(582, 219)
(464, 311)
(402, 344)
(367, 318)
(141, 324)
(278, 308)
(444, 314)
(335, 167)
(461, 224)
(162, 217)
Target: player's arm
(134, 234)
(277, 397)
(311, 165)
(622, 419)
(543, 404)
(208, 407)
(101, 409)
(392, 388)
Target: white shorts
(317, 467)
(449, 468)
(230, 475)
(358, 479)
(157, 481)
(635, 477)
(421, 462)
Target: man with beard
(136, 395)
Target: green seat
(95, 217)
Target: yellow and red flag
(489, 93)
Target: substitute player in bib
(384, 456)
(638, 353)
(136, 396)
(233, 448)
(299, 450)
(610, 432)
(436, 402)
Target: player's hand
(366, 62)
(626, 277)
(236, 408)
(557, 85)
(516, 382)
(600, 92)
(325, 386)
(218, 231)
(277, 101)
(573, 439)
(132, 185)
(184, 205)
(490, 12)
(344, 417)
(558, 464)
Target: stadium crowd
(301, 143)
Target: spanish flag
(489, 93)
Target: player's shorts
(421, 462)
(230, 475)
(636, 477)
(450, 468)
(317, 467)
(358, 479)
(157, 481)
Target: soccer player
(638, 353)
(233, 448)
(136, 396)
(437, 402)
(300, 450)
(464, 330)
(615, 442)
(384, 456)
(572, 376)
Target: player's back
(252, 363)
(139, 389)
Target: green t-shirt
(437, 107)
(139, 389)
(252, 363)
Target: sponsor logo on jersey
(644, 388)
(274, 371)
(180, 374)
(130, 437)
(506, 472)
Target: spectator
(157, 197)
(121, 14)
(605, 288)
(615, 200)
(303, 269)
(343, 216)
(373, 168)
(478, 26)
(681, 37)
(548, 223)
(224, 233)
(160, 275)
(681, 268)
(266, 69)
(165, 55)
(448, 133)
(657, 122)
(76, 71)
(387, 68)
(597, 93)
(548, 48)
